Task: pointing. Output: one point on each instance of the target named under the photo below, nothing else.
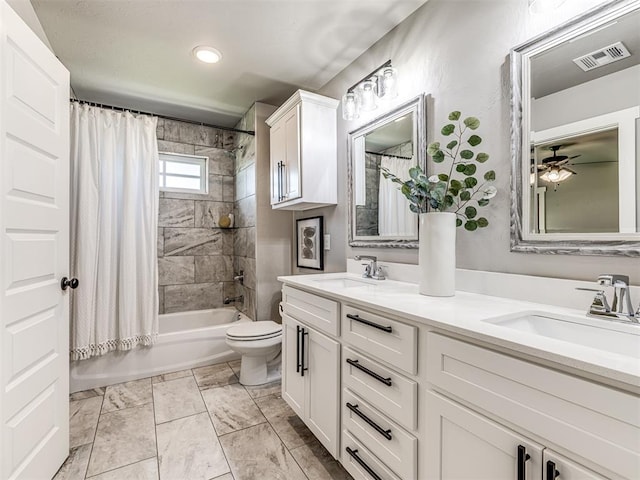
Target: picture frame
(310, 242)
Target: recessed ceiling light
(207, 54)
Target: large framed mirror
(379, 214)
(575, 136)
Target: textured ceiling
(137, 53)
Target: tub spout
(228, 300)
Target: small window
(183, 173)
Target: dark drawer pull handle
(355, 363)
(552, 473)
(385, 433)
(523, 456)
(370, 323)
(363, 464)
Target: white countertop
(464, 314)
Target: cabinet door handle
(356, 363)
(523, 456)
(552, 473)
(363, 464)
(279, 181)
(357, 318)
(298, 348)
(385, 433)
(302, 367)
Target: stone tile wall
(195, 257)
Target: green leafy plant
(444, 192)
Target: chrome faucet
(228, 300)
(620, 308)
(372, 269)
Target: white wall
(457, 51)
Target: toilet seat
(252, 331)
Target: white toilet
(260, 344)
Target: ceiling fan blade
(569, 170)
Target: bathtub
(186, 340)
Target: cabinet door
(293, 383)
(292, 178)
(278, 158)
(557, 466)
(462, 444)
(322, 358)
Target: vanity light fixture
(207, 54)
(544, 6)
(366, 94)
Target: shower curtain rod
(388, 155)
(165, 117)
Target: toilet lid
(255, 330)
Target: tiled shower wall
(195, 257)
(245, 208)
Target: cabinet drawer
(598, 423)
(319, 312)
(361, 463)
(383, 388)
(391, 341)
(382, 436)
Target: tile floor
(191, 425)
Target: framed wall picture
(310, 243)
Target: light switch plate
(327, 241)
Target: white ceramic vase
(437, 254)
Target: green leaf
(474, 140)
(483, 202)
(458, 222)
(438, 157)
(414, 208)
(470, 182)
(460, 167)
(448, 201)
(454, 115)
(448, 129)
(471, 225)
(456, 184)
(465, 195)
(469, 169)
(433, 148)
(482, 157)
(406, 190)
(482, 222)
(470, 212)
(443, 176)
(466, 154)
(472, 122)
(452, 144)
(414, 172)
(490, 176)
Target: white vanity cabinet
(311, 367)
(304, 152)
(595, 426)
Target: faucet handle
(613, 280)
(599, 304)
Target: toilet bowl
(260, 344)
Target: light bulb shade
(350, 106)
(388, 83)
(555, 175)
(368, 95)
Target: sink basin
(343, 282)
(613, 337)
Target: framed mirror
(379, 214)
(575, 136)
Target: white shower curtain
(394, 217)
(114, 217)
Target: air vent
(601, 57)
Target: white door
(462, 444)
(292, 172)
(293, 391)
(322, 358)
(34, 241)
(277, 156)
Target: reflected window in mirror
(576, 114)
(379, 213)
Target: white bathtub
(186, 340)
